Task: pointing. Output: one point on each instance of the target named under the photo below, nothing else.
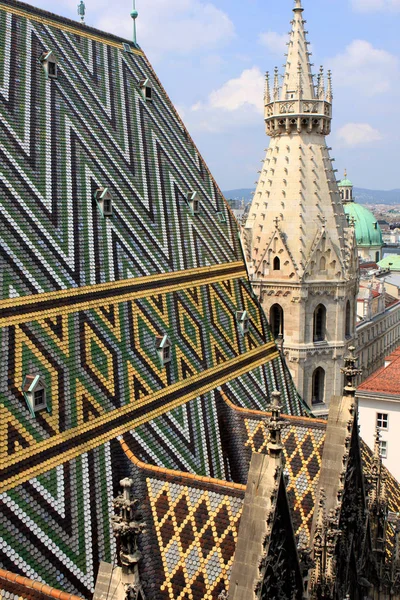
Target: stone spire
(298, 58)
(300, 249)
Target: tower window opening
(318, 386)
(348, 320)
(277, 263)
(322, 264)
(347, 195)
(319, 323)
(377, 256)
(342, 194)
(276, 321)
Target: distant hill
(362, 195)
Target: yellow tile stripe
(76, 449)
(78, 29)
(111, 287)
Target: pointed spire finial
(345, 173)
(329, 95)
(297, 5)
(276, 84)
(321, 84)
(267, 93)
(134, 15)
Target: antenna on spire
(134, 15)
(82, 10)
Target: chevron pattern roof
(85, 295)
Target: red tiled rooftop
(385, 379)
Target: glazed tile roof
(15, 587)
(385, 380)
(84, 296)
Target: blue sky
(211, 57)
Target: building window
(49, 64)
(277, 264)
(163, 345)
(318, 386)
(383, 448)
(348, 320)
(276, 321)
(319, 323)
(243, 320)
(127, 47)
(382, 420)
(147, 90)
(193, 202)
(377, 256)
(34, 390)
(104, 201)
(221, 216)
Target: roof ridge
(39, 587)
(83, 28)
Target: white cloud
(375, 5)
(358, 134)
(370, 70)
(275, 42)
(236, 93)
(237, 102)
(179, 26)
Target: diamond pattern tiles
(196, 531)
(303, 444)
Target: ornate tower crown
(298, 105)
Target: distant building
(368, 232)
(379, 406)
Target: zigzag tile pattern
(84, 296)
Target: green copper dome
(368, 232)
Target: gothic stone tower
(299, 245)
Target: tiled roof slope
(15, 587)
(385, 380)
(84, 297)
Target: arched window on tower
(347, 195)
(348, 320)
(342, 194)
(319, 323)
(277, 264)
(276, 320)
(318, 386)
(377, 256)
(322, 264)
